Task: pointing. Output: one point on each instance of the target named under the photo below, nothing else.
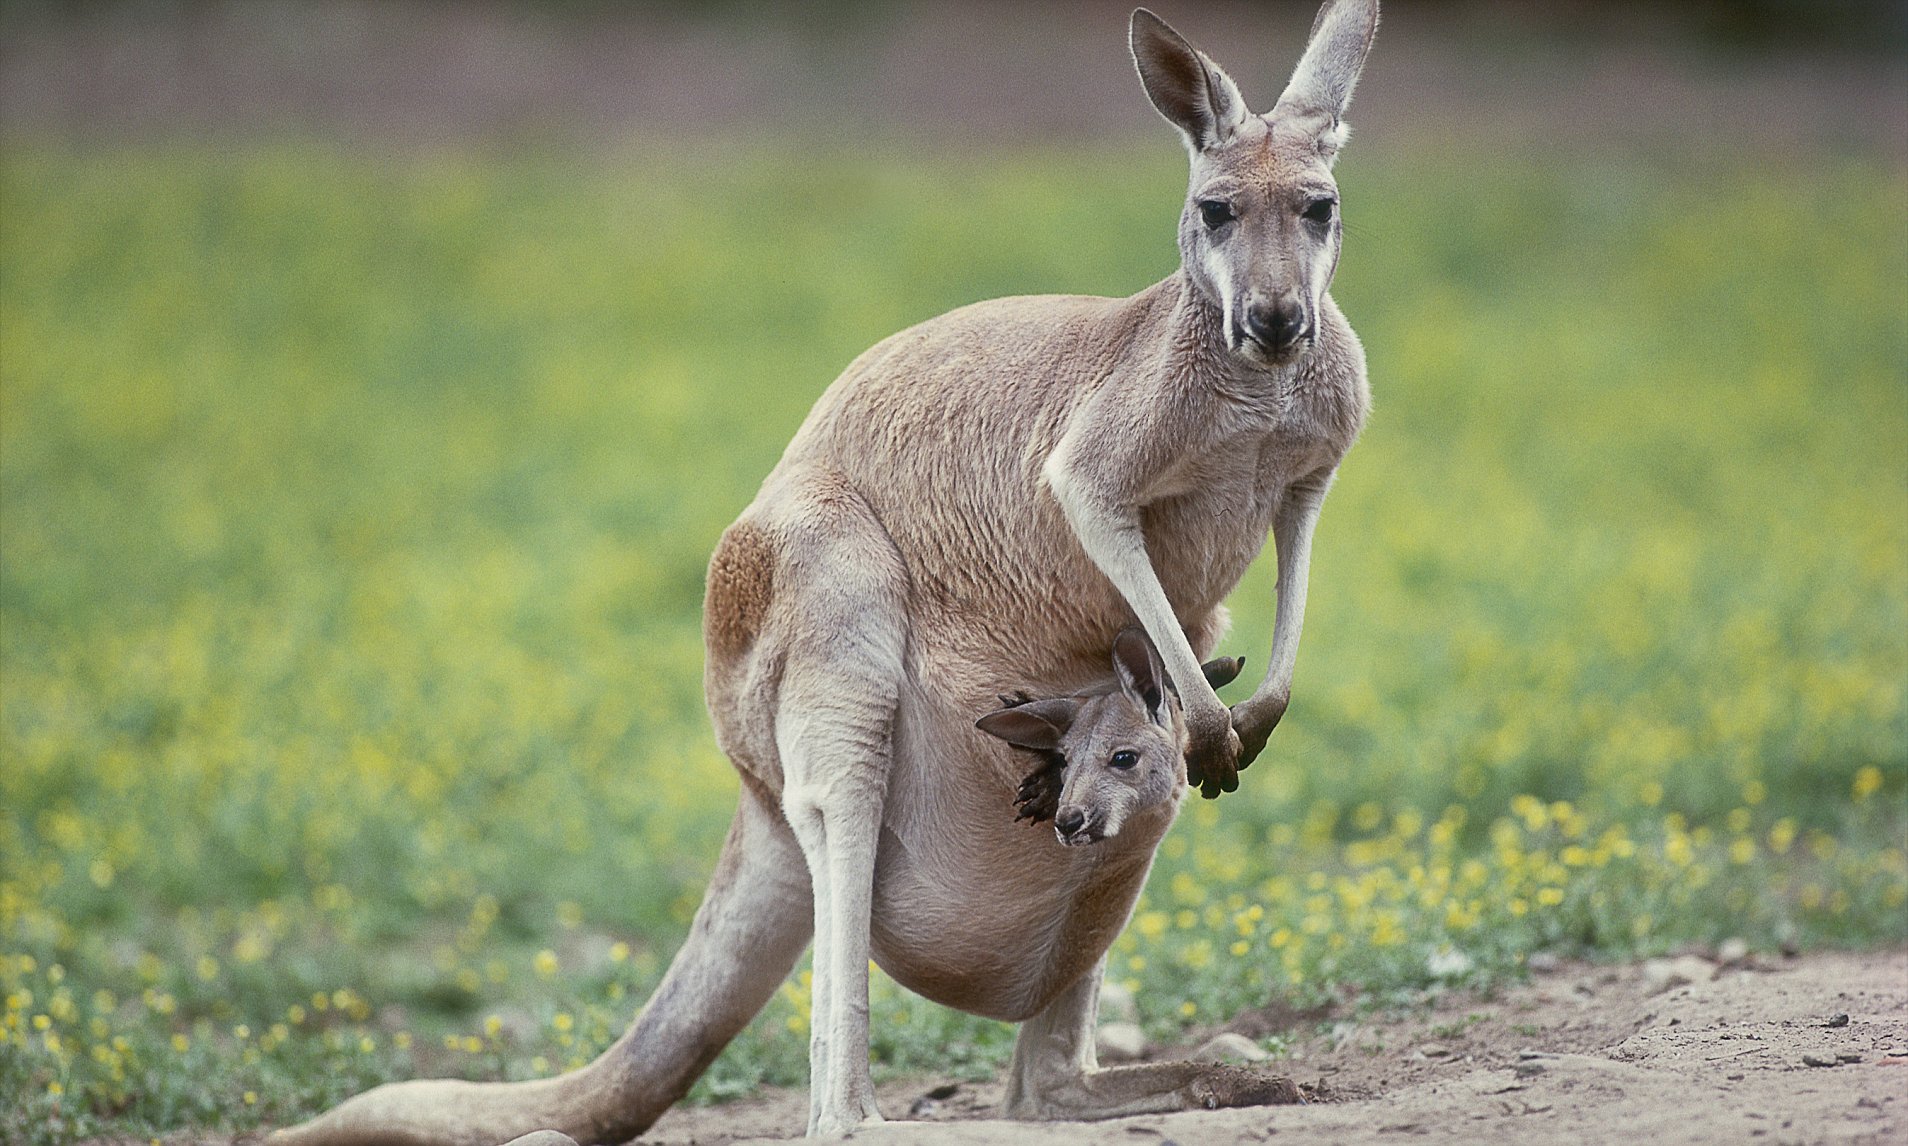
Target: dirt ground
(1581, 1054)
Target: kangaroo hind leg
(751, 927)
(834, 724)
(1055, 1074)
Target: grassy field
(355, 514)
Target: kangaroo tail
(753, 923)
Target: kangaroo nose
(1069, 820)
(1276, 324)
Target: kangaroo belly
(1003, 951)
(978, 912)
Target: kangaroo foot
(1152, 1088)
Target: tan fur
(978, 505)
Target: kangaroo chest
(1208, 519)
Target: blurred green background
(363, 440)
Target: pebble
(543, 1138)
(1229, 1047)
(1120, 1042)
(1663, 974)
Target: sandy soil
(1669, 1052)
(1581, 1054)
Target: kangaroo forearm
(1112, 538)
(1293, 528)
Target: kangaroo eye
(1320, 210)
(1124, 759)
(1216, 212)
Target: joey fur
(982, 503)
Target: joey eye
(1216, 213)
(1320, 210)
(1123, 759)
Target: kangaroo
(980, 503)
(1109, 755)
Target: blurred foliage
(355, 513)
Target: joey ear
(1038, 725)
(1321, 85)
(1184, 84)
(1223, 671)
(1142, 676)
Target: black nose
(1069, 820)
(1276, 324)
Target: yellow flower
(546, 963)
(1868, 781)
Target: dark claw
(1038, 799)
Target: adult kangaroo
(978, 505)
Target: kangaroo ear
(1321, 86)
(1223, 671)
(1184, 84)
(1142, 676)
(1038, 725)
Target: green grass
(355, 513)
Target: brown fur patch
(741, 586)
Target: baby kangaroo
(1108, 755)
(981, 503)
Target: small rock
(1848, 1058)
(1434, 1050)
(1230, 1047)
(1838, 1019)
(1529, 1069)
(1117, 1004)
(1448, 963)
(1732, 951)
(543, 1138)
(929, 1104)
(1820, 1060)
(1543, 962)
(1120, 1042)
(1665, 974)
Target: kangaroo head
(1260, 233)
(1112, 753)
